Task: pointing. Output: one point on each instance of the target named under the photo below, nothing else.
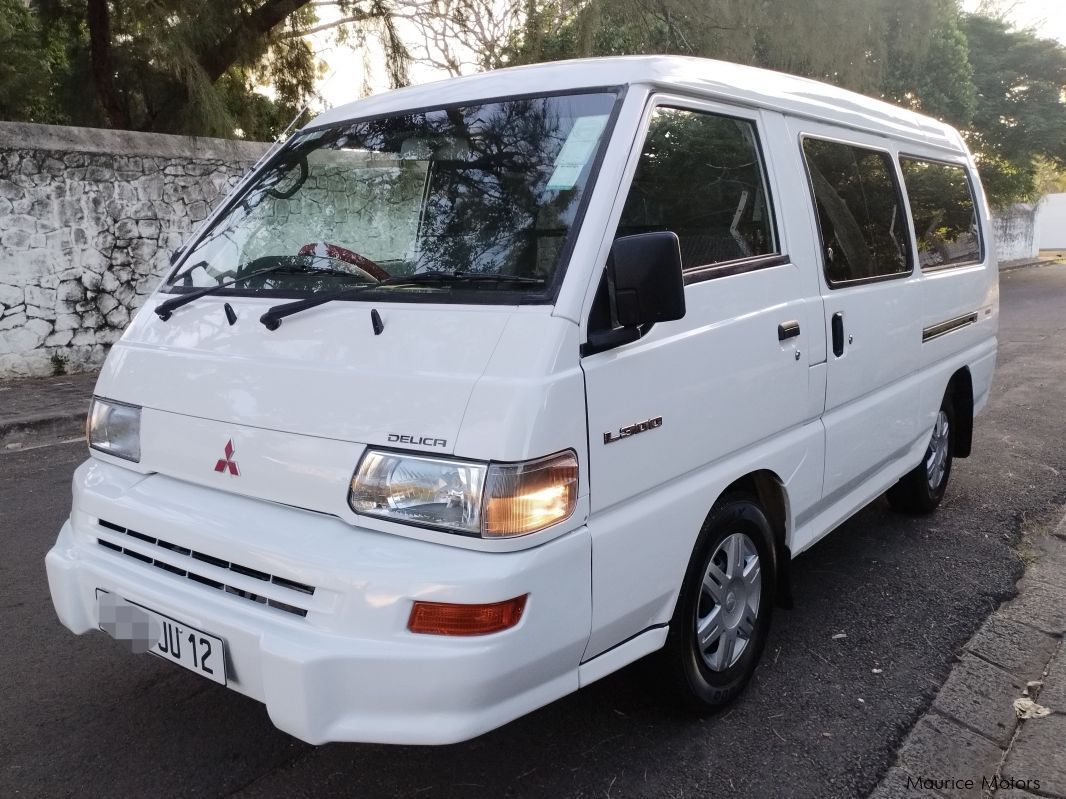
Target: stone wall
(88, 219)
(1014, 230)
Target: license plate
(145, 630)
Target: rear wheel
(921, 489)
(723, 613)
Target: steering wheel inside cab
(337, 253)
(286, 180)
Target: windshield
(484, 195)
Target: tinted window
(863, 227)
(700, 176)
(945, 222)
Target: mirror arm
(603, 340)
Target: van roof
(749, 86)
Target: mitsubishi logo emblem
(228, 462)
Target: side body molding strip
(943, 328)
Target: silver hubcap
(936, 457)
(729, 602)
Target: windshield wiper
(165, 309)
(272, 318)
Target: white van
(476, 392)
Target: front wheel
(920, 490)
(723, 613)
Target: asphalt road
(81, 716)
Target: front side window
(444, 203)
(945, 221)
(863, 227)
(700, 176)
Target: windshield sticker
(576, 151)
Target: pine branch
(249, 38)
(362, 16)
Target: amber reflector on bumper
(441, 618)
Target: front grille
(161, 562)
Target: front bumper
(338, 664)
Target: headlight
(424, 491)
(496, 500)
(114, 428)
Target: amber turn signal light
(443, 618)
(523, 498)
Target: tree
(244, 67)
(218, 67)
(27, 63)
(928, 62)
(461, 36)
(189, 66)
(1049, 179)
(909, 50)
(1020, 110)
(1003, 88)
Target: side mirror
(645, 279)
(645, 285)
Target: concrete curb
(15, 433)
(40, 410)
(973, 742)
(1024, 263)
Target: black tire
(691, 679)
(914, 493)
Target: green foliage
(243, 67)
(928, 64)
(864, 45)
(1004, 88)
(199, 67)
(164, 55)
(1049, 178)
(28, 61)
(1020, 112)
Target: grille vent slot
(167, 547)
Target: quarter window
(945, 222)
(863, 227)
(700, 176)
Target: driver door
(732, 373)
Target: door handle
(787, 330)
(838, 334)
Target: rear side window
(945, 222)
(863, 227)
(700, 176)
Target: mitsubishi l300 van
(473, 393)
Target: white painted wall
(1051, 222)
(1014, 232)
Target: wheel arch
(769, 489)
